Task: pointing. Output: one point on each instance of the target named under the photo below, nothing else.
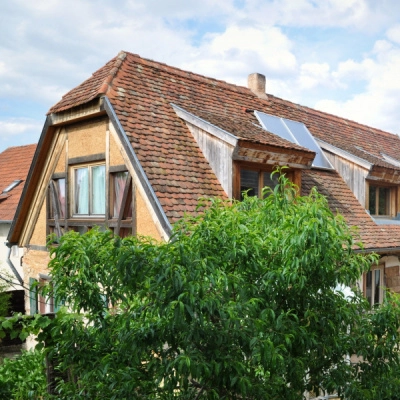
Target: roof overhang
(272, 155)
(344, 154)
(383, 174)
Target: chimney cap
(256, 83)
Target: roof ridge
(189, 74)
(20, 146)
(245, 90)
(106, 85)
(332, 116)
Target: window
(12, 185)
(379, 200)
(57, 201)
(253, 181)
(39, 303)
(89, 195)
(373, 286)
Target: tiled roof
(14, 165)
(363, 141)
(342, 200)
(141, 92)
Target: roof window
(295, 132)
(12, 185)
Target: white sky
(340, 56)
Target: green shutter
(59, 303)
(33, 296)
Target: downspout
(11, 265)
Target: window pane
(98, 200)
(372, 200)
(249, 182)
(377, 285)
(81, 203)
(268, 181)
(384, 201)
(368, 287)
(120, 179)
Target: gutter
(379, 250)
(11, 265)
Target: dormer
(244, 160)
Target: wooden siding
(352, 174)
(218, 153)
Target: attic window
(295, 132)
(12, 185)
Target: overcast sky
(340, 56)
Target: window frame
(261, 169)
(122, 225)
(381, 288)
(391, 200)
(72, 202)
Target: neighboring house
(133, 148)
(14, 167)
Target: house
(14, 167)
(133, 148)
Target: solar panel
(296, 132)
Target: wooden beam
(56, 207)
(123, 204)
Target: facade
(133, 148)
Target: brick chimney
(256, 83)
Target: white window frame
(90, 214)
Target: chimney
(256, 83)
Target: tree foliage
(24, 377)
(244, 302)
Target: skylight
(295, 132)
(391, 160)
(12, 185)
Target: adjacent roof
(14, 165)
(342, 200)
(142, 92)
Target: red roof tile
(14, 165)
(342, 200)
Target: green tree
(243, 302)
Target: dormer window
(379, 200)
(252, 181)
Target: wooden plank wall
(218, 154)
(352, 174)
